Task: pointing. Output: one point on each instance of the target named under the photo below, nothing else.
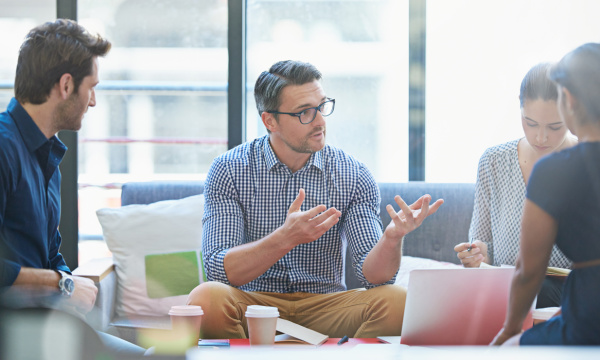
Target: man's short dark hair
(283, 73)
(52, 50)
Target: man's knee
(390, 297)
(222, 318)
(206, 294)
(386, 312)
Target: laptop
(456, 306)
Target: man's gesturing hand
(409, 217)
(306, 226)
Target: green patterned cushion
(172, 274)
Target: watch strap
(66, 284)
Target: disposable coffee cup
(262, 322)
(543, 314)
(185, 323)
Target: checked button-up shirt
(248, 193)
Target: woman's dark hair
(537, 86)
(579, 72)
(50, 51)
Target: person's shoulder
(499, 156)
(9, 134)
(562, 166)
(240, 158)
(241, 152)
(338, 156)
(343, 166)
(564, 159)
(501, 150)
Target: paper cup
(185, 323)
(262, 322)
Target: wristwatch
(66, 283)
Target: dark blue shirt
(29, 196)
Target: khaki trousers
(357, 313)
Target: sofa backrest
(435, 239)
(153, 191)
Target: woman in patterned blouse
(502, 177)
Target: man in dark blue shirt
(56, 74)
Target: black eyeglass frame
(299, 114)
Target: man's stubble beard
(69, 114)
(305, 147)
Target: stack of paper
(298, 334)
(552, 271)
(557, 271)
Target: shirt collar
(316, 159)
(30, 132)
(270, 157)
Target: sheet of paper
(301, 332)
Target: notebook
(456, 306)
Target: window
(361, 48)
(477, 55)
(162, 98)
(16, 19)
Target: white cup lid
(186, 310)
(261, 311)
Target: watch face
(66, 283)
(69, 285)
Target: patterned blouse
(498, 208)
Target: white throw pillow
(157, 253)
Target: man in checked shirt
(278, 211)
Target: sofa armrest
(101, 271)
(96, 269)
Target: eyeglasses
(307, 116)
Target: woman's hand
(473, 257)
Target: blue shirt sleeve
(57, 262)
(9, 270)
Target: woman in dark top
(563, 207)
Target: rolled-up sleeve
(362, 227)
(9, 271)
(57, 262)
(223, 221)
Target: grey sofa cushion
(436, 238)
(153, 191)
